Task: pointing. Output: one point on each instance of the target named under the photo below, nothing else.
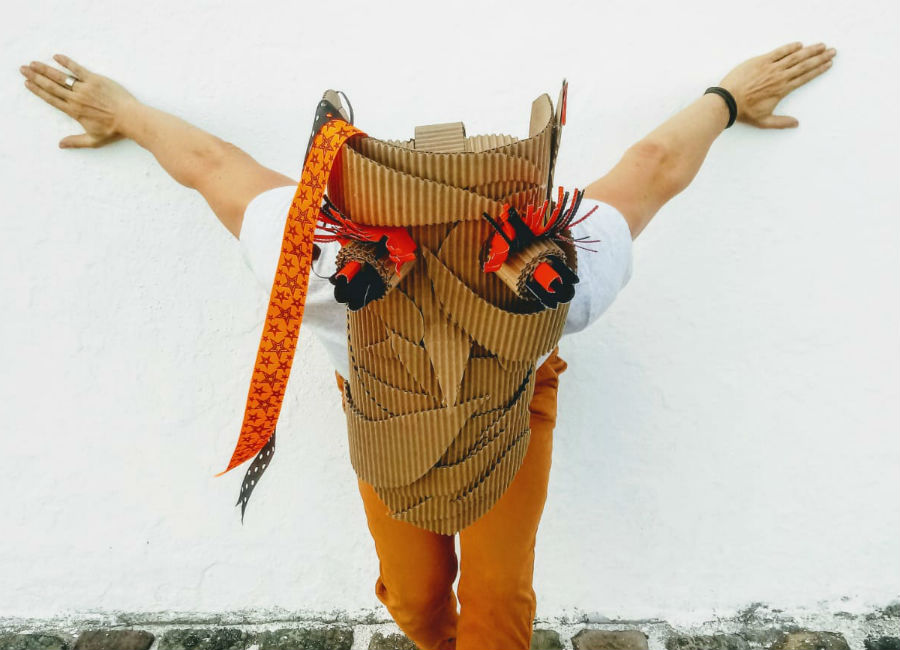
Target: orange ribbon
(288, 296)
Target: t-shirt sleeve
(604, 270)
(262, 233)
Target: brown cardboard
(520, 266)
(440, 138)
(509, 335)
(442, 367)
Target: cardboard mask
(457, 269)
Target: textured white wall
(729, 430)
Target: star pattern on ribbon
(287, 298)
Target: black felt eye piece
(357, 284)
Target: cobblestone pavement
(755, 628)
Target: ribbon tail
(254, 473)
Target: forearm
(686, 138)
(226, 175)
(185, 151)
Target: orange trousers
(496, 600)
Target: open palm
(94, 101)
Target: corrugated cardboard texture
(442, 367)
(440, 138)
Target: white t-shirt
(602, 272)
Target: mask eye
(372, 259)
(525, 250)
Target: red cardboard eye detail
(349, 270)
(526, 267)
(334, 226)
(547, 277)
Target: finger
(784, 50)
(80, 71)
(57, 76)
(77, 141)
(796, 82)
(45, 83)
(801, 55)
(778, 122)
(809, 64)
(53, 100)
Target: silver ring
(70, 81)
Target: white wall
(729, 430)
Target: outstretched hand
(758, 84)
(94, 101)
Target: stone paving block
(35, 641)
(882, 643)
(204, 639)
(610, 640)
(391, 642)
(766, 637)
(811, 640)
(707, 642)
(292, 638)
(546, 640)
(114, 640)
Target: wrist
(726, 102)
(129, 117)
(738, 95)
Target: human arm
(663, 163)
(226, 176)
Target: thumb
(778, 122)
(77, 141)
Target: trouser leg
(495, 591)
(417, 568)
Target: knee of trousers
(417, 596)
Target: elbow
(659, 162)
(208, 161)
(653, 151)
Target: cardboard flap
(486, 376)
(382, 393)
(460, 170)
(441, 138)
(512, 414)
(477, 461)
(447, 345)
(541, 115)
(401, 315)
(390, 370)
(414, 442)
(415, 359)
(559, 120)
(446, 513)
(520, 337)
(393, 198)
